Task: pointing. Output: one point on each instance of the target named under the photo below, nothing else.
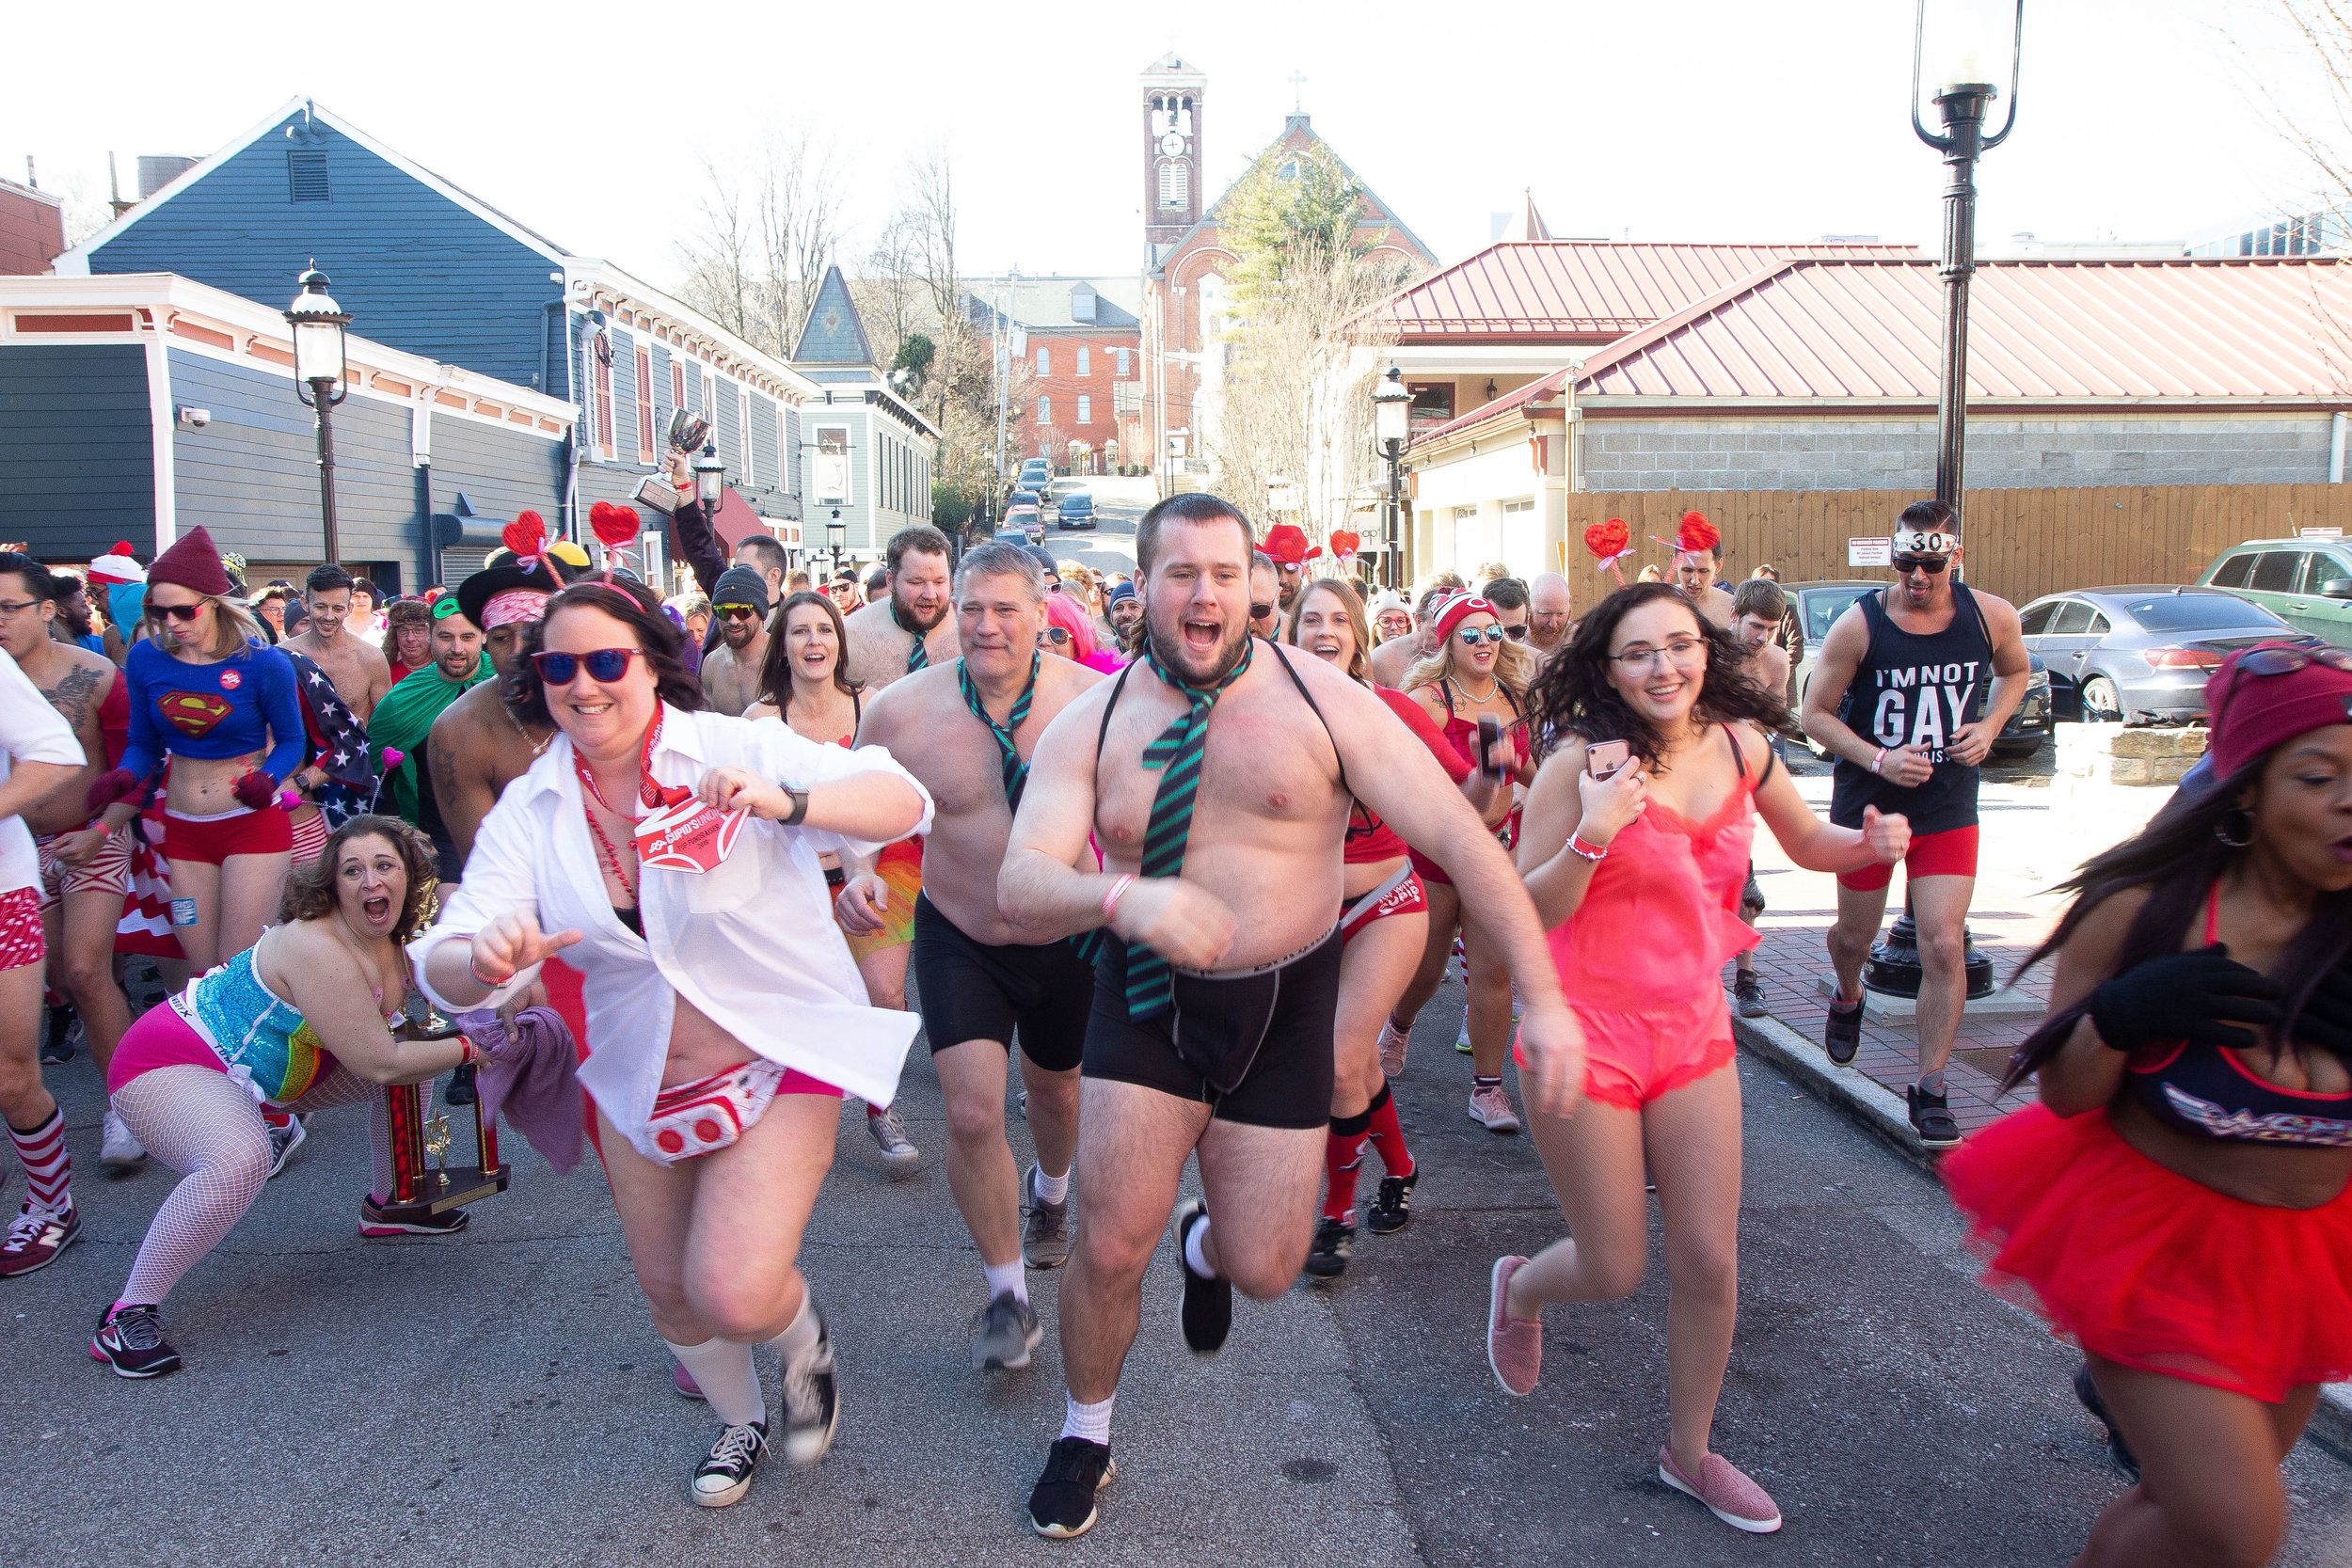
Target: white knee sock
(723, 1370)
(1089, 1421)
(800, 1336)
(1007, 1276)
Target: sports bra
(2206, 1091)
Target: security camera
(194, 419)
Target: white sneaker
(283, 1141)
(120, 1151)
(890, 1136)
(1490, 1104)
(1394, 1041)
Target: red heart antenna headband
(1609, 543)
(1696, 536)
(527, 536)
(617, 527)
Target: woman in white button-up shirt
(740, 987)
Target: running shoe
(374, 1224)
(1515, 1346)
(35, 1238)
(1393, 1042)
(1747, 990)
(1004, 1333)
(1728, 1494)
(2119, 1451)
(812, 1402)
(1490, 1104)
(1207, 1311)
(890, 1136)
(1045, 1227)
(1842, 1034)
(1461, 1041)
(725, 1473)
(284, 1139)
(1932, 1118)
(1061, 1506)
(1394, 1206)
(131, 1340)
(1334, 1245)
(56, 1041)
(119, 1152)
(683, 1380)
(461, 1088)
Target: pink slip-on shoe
(1728, 1494)
(1515, 1346)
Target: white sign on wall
(2319, 532)
(1869, 552)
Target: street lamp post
(837, 537)
(1391, 411)
(318, 324)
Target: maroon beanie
(2253, 714)
(193, 564)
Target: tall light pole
(1391, 419)
(318, 324)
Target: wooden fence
(2019, 544)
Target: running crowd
(1188, 851)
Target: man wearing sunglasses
(1510, 598)
(1266, 596)
(730, 671)
(1900, 697)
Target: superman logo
(193, 713)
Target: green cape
(403, 720)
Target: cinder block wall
(1749, 453)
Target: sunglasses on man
(738, 612)
(1931, 564)
(1260, 612)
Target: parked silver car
(1815, 606)
(2141, 655)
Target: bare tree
(755, 263)
(719, 256)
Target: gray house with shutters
(870, 453)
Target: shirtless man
(1698, 557)
(361, 672)
(1756, 610)
(730, 671)
(1549, 614)
(476, 748)
(1224, 918)
(1390, 660)
(1265, 589)
(976, 979)
(84, 868)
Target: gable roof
(1820, 328)
(1300, 125)
(1043, 303)
(1579, 290)
(834, 334)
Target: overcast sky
(1703, 120)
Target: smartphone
(1602, 758)
(1489, 737)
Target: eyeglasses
(1056, 635)
(183, 613)
(604, 664)
(1473, 636)
(1684, 651)
(1516, 634)
(2285, 661)
(1260, 612)
(16, 607)
(1931, 564)
(738, 612)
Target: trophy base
(439, 1191)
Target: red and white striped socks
(48, 1169)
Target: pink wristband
(484, 979)
(1876, 760)
(1110, 899)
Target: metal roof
(1817, 328)
(1589, 289)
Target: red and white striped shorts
(21, 942)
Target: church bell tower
(1172, 90)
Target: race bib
(688, 837)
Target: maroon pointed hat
(193, 564)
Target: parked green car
(2306, 582)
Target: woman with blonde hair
(1476, 671)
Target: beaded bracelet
(1596, 853)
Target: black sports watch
(799, 806)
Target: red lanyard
(652, 793)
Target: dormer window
(1082, 305)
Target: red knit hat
(2256, 713)
(1459, 609)
(193, 564)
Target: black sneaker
(1842, 1036)
(2119, 1452)
(1061, 1506)
(1334, 1245)
(460, 1090)
(57, 1042)
(374, 1226)
(284, 1139)
(812, 1402)
(1208, 1301)
(1747, 992)
(1932, 1118)
(1394, 1206)
(131, 1340)
(725, 1473)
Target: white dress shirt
(751, 943)
(30, 731)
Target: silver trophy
(688, 433)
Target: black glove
(2195, 997)
(2326, 1018)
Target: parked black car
(2141, 655)
(1815, 606)
(1025, 496)
(1076, 510)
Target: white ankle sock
(723, 1370)
(1052, 1189)
(1007, 1276)
(1089, 1421)
(800, 1336)
(1194, 1257)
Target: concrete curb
(1876, 1109)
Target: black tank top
(1914, 690)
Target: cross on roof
(1298, 81)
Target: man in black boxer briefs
(975, 980)
(1899, 698)
(1219, 949)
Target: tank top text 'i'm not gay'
(1915, 689)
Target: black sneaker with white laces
(1747, 992)
(1394, 1206)
(56, 1041)
(812, 1402)
(1207, 1312)
(1061, 1505)
(1932, 1118)
(725, 1473)
(1334, 1245)
(1842, 1036)
(131, 1340)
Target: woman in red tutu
(2177, 1204)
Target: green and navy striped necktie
(1151, 985)
(919, 656)
(1016, 771)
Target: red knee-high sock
(1388, 1138)
(48, 1170)
(1342, 1152)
